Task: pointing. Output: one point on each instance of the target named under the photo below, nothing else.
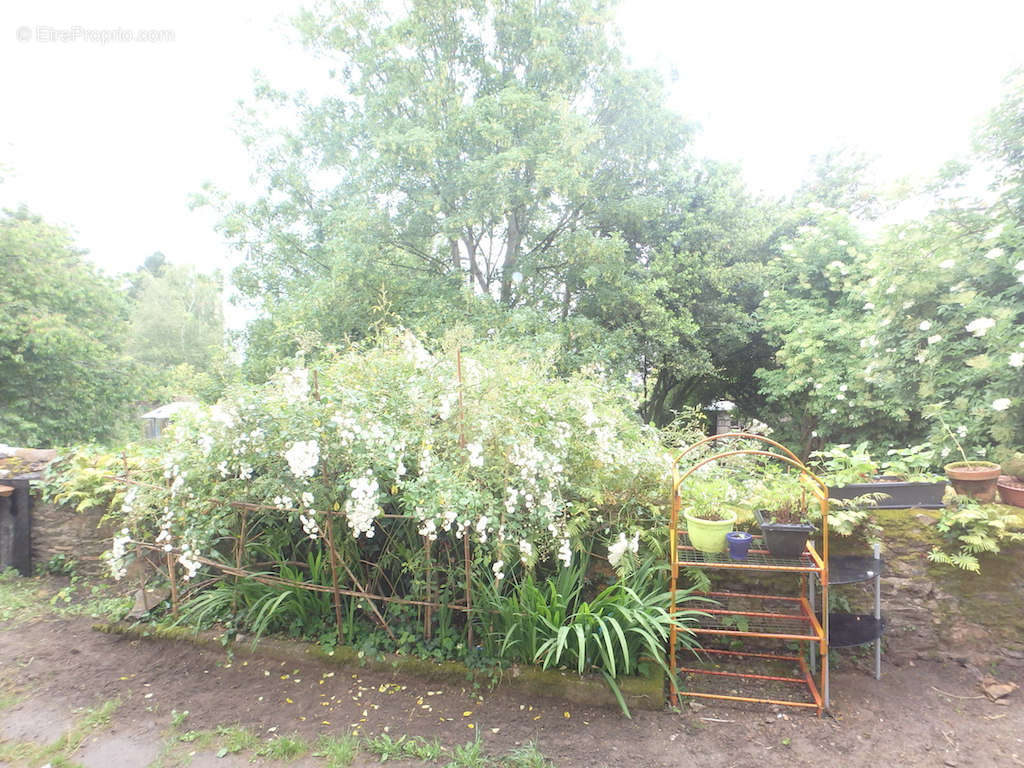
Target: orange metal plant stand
(744, 615)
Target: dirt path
(919, 714)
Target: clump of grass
(283, 748)
(340, 751)
(526, 756)
(470, 755)
(235, 738)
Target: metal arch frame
(820, 490)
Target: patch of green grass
(470, 755)
(201, 739)
(234, 738)
(58, 753)
(22, 599)
(283, 748)
(526, 756)
(8, 700)
(424, 750)
(385, 747)
(340, 751)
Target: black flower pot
(783, 540)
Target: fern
(974, 529)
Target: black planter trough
(902, 495)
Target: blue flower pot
(739, 544)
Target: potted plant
(781, 510)
(976, 479)
(1011, 483)
(904, 480)
(739, 544)
(709, 514)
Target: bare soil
(919, 714)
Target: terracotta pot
(1011, 490)
(976, 479)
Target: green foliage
(177, 334)
(283, 748)
(1014, 466)
(623, 627)
(973, 529)
(86, 477)
(338, 751)
(852, 517)
(514, 171)
(64, 377)
(840, 465)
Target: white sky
(112, 139)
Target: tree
(476, 155)
(177, 331)
(64, 377)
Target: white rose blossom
(980, 326)
(617, 549)
(302, 458)
(1001, 404)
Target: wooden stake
(469, 589)
(332, 554)
(172, 577)
(462, 410)
(428, 614)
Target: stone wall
(79, 536)
(933, 611)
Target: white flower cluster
(115, 557)
(498, 568)
(416, 352)
(283, 502)
(476, 454)
(164, 537)
(525, 551)
(565, 553)
(617, 549)
(1016, 359)
(222, 416)
(980, 326)
(308, 519)
(1001, 404)
(188, 560)
(128, 502)
(361, 507)
(295, 383)
(302, 458)
(448, 401)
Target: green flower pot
(709, 535)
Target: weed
(283, 748)
(385, 747)
(340, 751)
(178, 718)
(526, 756)
(470, 755)
(234, 738)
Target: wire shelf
(772, 616)
(763, 677)
(758, 558)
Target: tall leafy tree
(474, 154)
(64, 376)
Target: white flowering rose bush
(384, 441)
